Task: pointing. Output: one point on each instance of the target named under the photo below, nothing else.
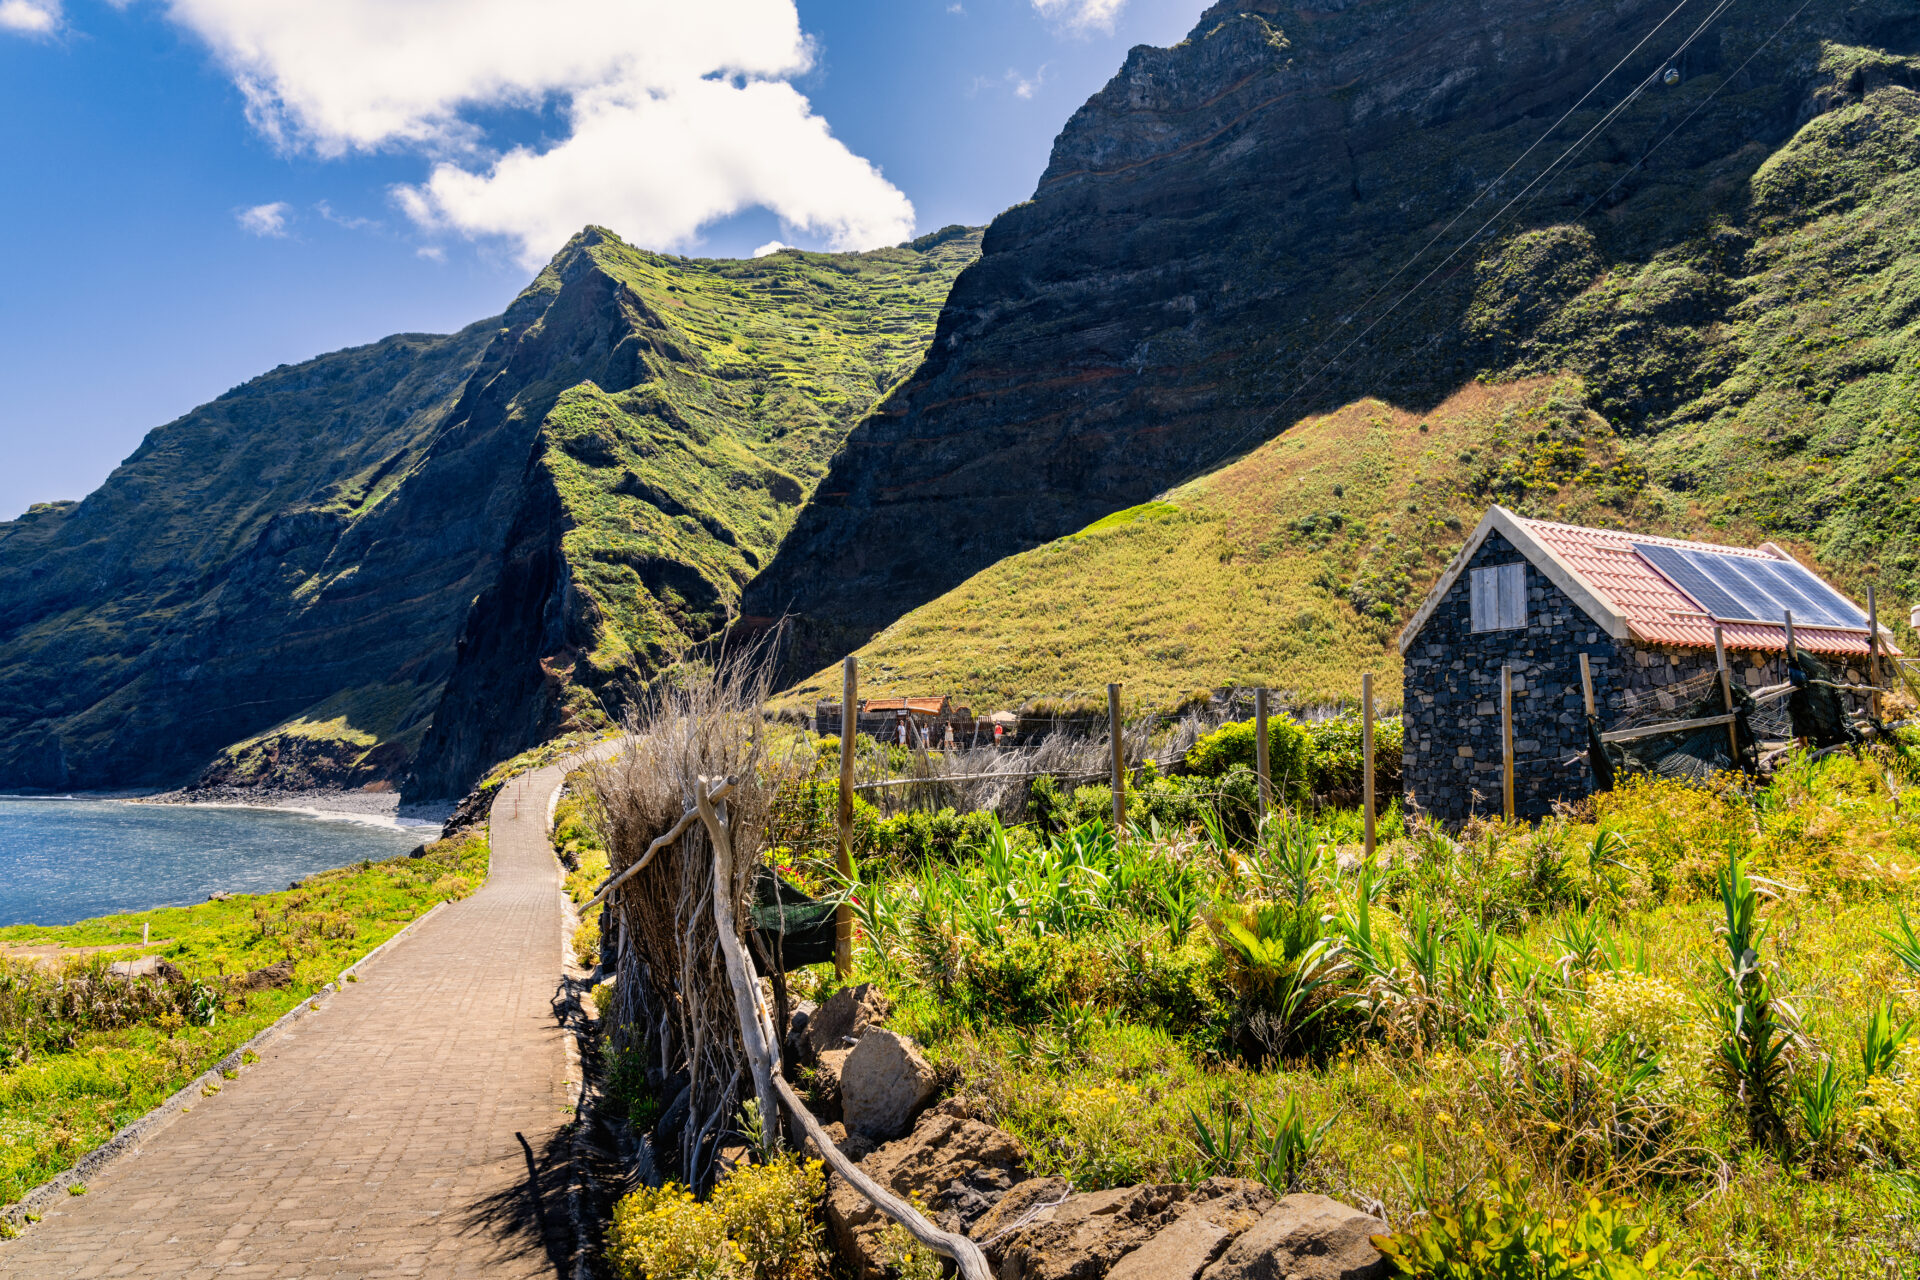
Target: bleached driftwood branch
(763, 1052)
(686, 820)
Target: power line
(1573, 148)
(1489, 188)
(1758, 49)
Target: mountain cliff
(1228, 237)
(393, 565)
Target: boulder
(1181, 1252)
(279, 974)
(884, 1085)
(846, 1016)
(1304, 1237)
(1089, 1236)
(958, 1167)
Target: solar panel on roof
(1674, 565)
(1750, 589)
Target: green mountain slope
(395, 564)
(1223, 235)
(1293, 566)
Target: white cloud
(431, 252)
(265, 219)
(30, 17)
(352, 222)
(1018, 85)
(1081, 15)
(679, 114)
(771, 246)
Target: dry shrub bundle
(673, 999)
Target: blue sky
(193, 191)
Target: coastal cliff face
(280, 546)
(1213, 249)
(395, 565)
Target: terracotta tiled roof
(919, 706)
(1655, 611)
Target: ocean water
(65, 860)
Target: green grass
(677, 490)
(1292, 566)
(1563, 1048)
(89, 1074)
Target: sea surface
(63, 860)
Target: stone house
(1535, 595)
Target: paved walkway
(407, 1127)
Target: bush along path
(412, 1125)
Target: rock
(219, 895)
(1086, 1236)
(1305, 1237)
(884, 1084)
(143, 967)
(960, 1168)
(846, 1016)
(825, 1083)
(855, 1147)
(1181, 1252)
(279, 974)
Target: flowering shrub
(758, 1225)
(665, 1234)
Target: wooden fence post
(1366, 756)
(1506, 739)
(1873, 655)
(1726, 691)
(1262, 763)
(1119, 760)
(849, 725)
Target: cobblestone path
(409, 1126)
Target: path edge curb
(127, 1140)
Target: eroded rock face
(957, 1166)
(884, 1084)
(1194, 270)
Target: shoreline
(380, 808)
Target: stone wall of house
(1452, 695)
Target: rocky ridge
(392, 566)
(1212, 251)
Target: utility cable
(1490, 187)
(1758, 49)
(1572, 148)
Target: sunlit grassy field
(1671, 1028)
(82, 1053)
(1293, 566)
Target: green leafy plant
(1823, 1106)
(1754, 1030)
(1502, 1237)
(1882, 1038)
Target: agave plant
(1756, 1029)
(1882, 1039)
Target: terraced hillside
(396, 564)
